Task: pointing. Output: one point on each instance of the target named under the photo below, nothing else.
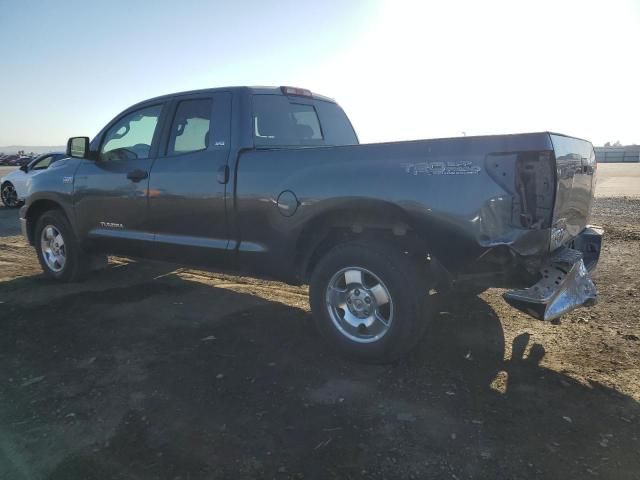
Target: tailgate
(575, 173)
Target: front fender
(52, 188)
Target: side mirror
(78, 147)
(24, 168)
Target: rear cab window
(290, 121)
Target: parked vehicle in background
(13, 186)
(15, 160)
(272, 182)
(9, 160)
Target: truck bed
(465, 195)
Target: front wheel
(369, 300)
(9, 195)
(59, 252)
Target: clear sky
(401, 69)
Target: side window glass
(131, 136)
(42, 164)
(278, 122)
(306, 122)
(191, 127)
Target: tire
(9, 195)
(406, 312)
(76, 263)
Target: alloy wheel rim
(54, 251)
(359, 305)
(9, 195)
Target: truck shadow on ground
(170, 378)
(9, 224)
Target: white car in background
(13, 187)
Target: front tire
(9, 195)
(59, 252)
(369, 300)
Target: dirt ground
(149, 371)
(618, 180)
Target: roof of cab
(256, 90)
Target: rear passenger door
(187, 185)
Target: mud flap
(565, 284)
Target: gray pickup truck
(272, 182)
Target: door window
(131, 136)
(191, 127)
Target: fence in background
(618, 154)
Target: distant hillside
(12, 149)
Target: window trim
(156, 134)
(172, 116)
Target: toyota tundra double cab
(272, 182)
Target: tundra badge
(111, 225)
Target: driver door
(110, 194)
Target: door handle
(137, 175)
(223, 174)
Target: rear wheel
(9, 195)
(59, 252)
(369, 300)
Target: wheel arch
(37, 208)
(357, 219)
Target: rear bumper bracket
(565, 281)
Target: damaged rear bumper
(565, 281)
